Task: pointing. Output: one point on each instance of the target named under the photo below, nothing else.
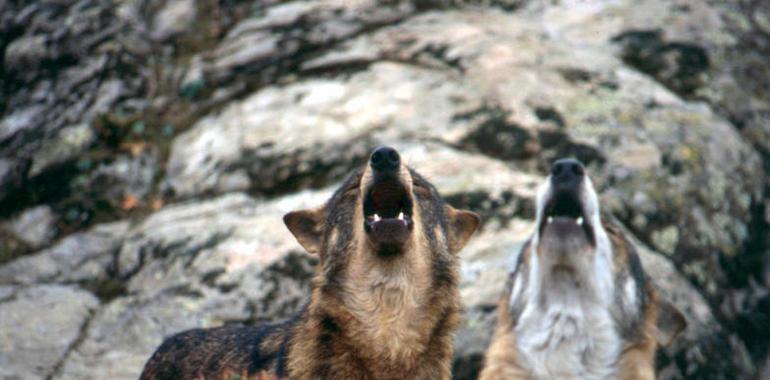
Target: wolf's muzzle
(564, 211)
(388, 203)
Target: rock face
(149, 150)
(39, 325)
(34, 227)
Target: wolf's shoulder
(213, 351)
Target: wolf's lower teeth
(579, 221)
(550, 219)
(374, 218)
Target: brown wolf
(384, 303)
(578, 304)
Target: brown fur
(501, 357)
(369, 317)
(659, 322)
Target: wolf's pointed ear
(461, 224)
(670, 323)
(306, 226)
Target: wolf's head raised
(388, 267)
(386, 211)
(573, 251)
(579, 300)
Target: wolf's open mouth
(564, 207)
(387, 204)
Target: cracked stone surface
(79, 258)
(38, 326)
(34, 227)
(163, 142)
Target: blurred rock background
(149, 148)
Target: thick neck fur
(566, 330)
(387, 302)
(383, 318)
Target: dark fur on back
(223, 352)
(329, 339)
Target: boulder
(173, 19)
(245, 112)
(85, 258)
(38, 327)
(35, 227)
(226, 260)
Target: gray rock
(186, 243)
(123, 335)
(290, 134)
(38, 326)
(205, 264)
(68, 144)
(174, 18)
(61, 72)
(487, 261)
(34, 227)
(18, 121)
(26, 53)
(283, 32)
(704, 348)
(83, 257)
(128, 175)
(479, 98)
(6, 292)
(5, 168)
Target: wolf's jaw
(579, 220)
(375, 218)
(387, 199)
(566, 207)
(387, 213)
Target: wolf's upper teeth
(377, 218)
(401, 216)
(550, 219)
(579, 220)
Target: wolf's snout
(566, 173)
(387, 202)
(385, 159)
(564, 210)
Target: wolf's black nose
(567, 171)
(385, 159)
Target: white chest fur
(567, 342)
